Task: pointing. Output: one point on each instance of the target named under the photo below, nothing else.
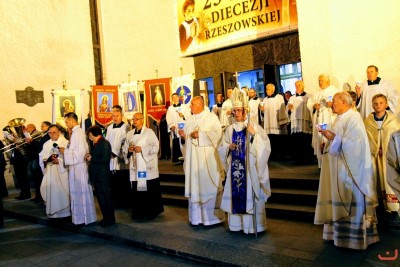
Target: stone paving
(285, 243)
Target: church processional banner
(157, 94)
(129, 99)
(65, 101)
(213, 24)
(183, 86)
(104, 97)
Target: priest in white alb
(393, 164)
(275, 120)
(245, 149)
(202, 166)
(372, 86)
(55, 187)
(226, 110)
(254, 104)
(81, 192)
(347, 195)
(320, 107)
(116, 134)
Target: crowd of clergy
(353, 135)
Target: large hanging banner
(65, 101)
(129, 99)
(183, 86)
(157, 93)
(104, 97)
(212, 24)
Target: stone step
(294, 191)
(175, 200)
(291, 212)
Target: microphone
(55, 145)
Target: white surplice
(300, 116)
(116, 137)
(82, 202)
(254, 105)
(368, 91)
(275, 116)
(202, 166)
(347, 193)
(257, 180)
(55, 187)
(147, 160)
(224, 118)
(323, 115)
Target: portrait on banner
(104, 97)
(129, 99)
(130, 102)
(67, 104)
(65, 101)
(105, 101)
(157, 94)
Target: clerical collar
(302, 94)
(219, 105)
(138, 131)
(177, 105)
(374, 82)
(379, 119)
(189, 21)
(272, 96)
(118, 125)
(255, 98)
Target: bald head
(30, 128)
(197, 105)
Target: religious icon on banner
(157, 95)
(104, 102)
(104, 97)
(68, 104)
(131, 104)
(66, 101)
(184, 93)
(183, 87)
(129, 99)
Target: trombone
(15, 129)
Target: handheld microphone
(55, 145)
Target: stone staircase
(294, 190)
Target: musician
(45, 136)
(19, 160)
(33, 148)
(3, 164)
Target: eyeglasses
(237, 110)
(134, 119)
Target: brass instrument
(16, 129)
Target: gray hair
(346, 97)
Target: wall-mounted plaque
(29, 96)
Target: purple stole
(238, 173)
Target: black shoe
(22, 197)
(104, 223)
